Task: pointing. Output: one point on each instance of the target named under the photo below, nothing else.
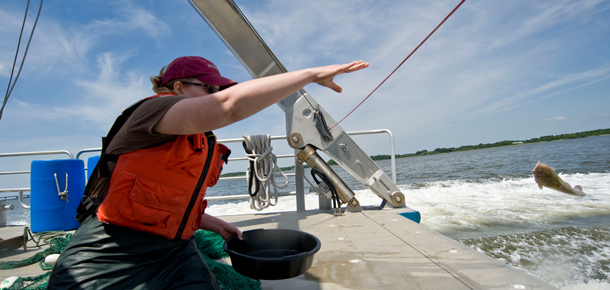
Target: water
(488, 200)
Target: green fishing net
(208, 243)
(57, 244)
(210, 246)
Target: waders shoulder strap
(89, 203)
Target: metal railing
(298, 166)
(20, 192)
(35, 153)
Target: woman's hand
(228, 230)
(224, 229)
(325, 75)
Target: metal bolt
(295, 138)
(343, 146)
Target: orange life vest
(161, 189)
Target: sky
(496, 70)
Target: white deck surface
(383, 250)
(374, 249)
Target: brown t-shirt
(136, 133)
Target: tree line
(499, 144)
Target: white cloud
(62, 48)
(583, 78)
(131, 19)
(111, 92)
(558, 118)
(65, 53)
(547, 90)
(100, 99)
(52, 45)
(535, 18)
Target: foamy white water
(463, 205)
(457, 205)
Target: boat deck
(18, 254)
(373, 249)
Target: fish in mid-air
(545, 176)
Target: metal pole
(298, 171)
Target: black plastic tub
(272, 254)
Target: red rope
(439, 25)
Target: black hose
(252, 182)
(331, 187)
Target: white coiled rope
(260, 152)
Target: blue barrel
(91, 162)
(48, 211)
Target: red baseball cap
(198, 67)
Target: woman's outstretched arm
(210, 112)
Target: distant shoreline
(548, 138)
(585, 134)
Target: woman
(146, 198)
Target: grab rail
(35, 153)
(20, 195)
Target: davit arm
(225, 18)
